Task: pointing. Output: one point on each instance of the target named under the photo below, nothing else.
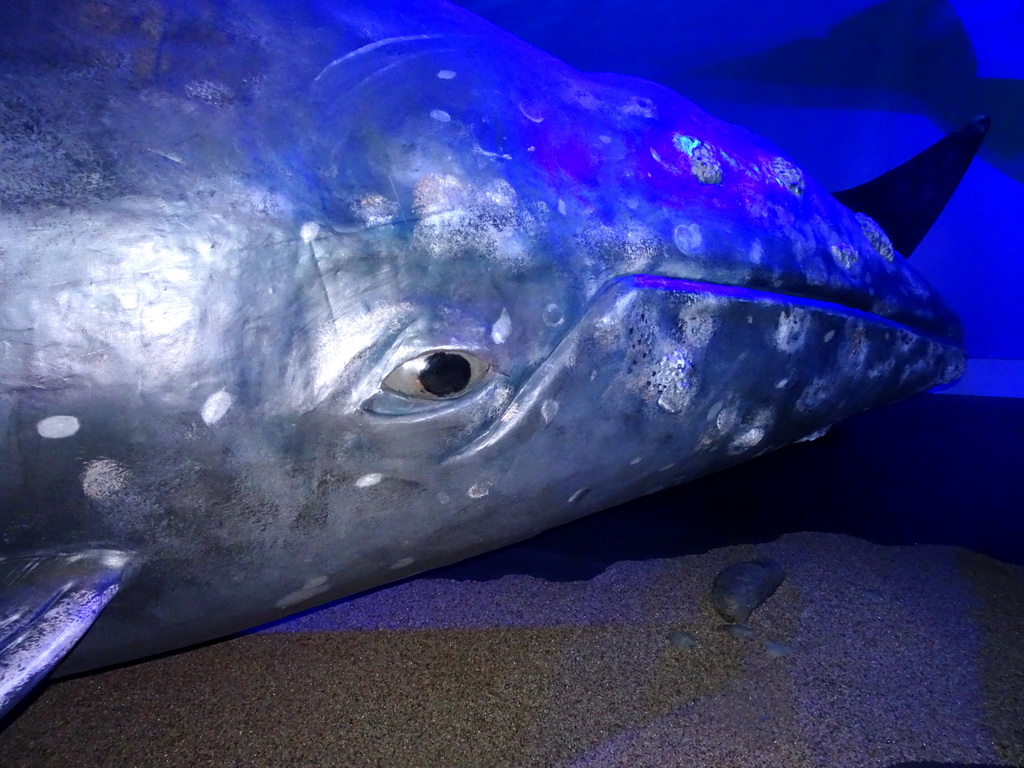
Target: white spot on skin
(578, 495)
(405, 562)
(103, 478)
(57, 427)
(561, 206)
(782, 384)
(829, 336)
(752, 430)
(440, 115)
(479, 490)
(502, 328)
(215, 407)
(748, 439)
(635, 461)
(310, 589)
(814, 435)
(369, 480)
(443, 497)
(446, 74)
(791, 331)
(726, 418)
(605, 139)
(309, 231)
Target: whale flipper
(907, 200)
(46, 604)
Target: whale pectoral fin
(907, 200)
(47, 602)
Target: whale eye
(437, 375)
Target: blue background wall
(849, 88)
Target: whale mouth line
(531, 389)
(749, 294)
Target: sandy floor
(897, 654)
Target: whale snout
(675, 379)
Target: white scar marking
(501, 328)
(446, 74)
(367, 480)
(479, 490)
(578, 495)
(309, 231)
(311, 588)
(215, 407)
(56, 427)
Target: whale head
(315, 299)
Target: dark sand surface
(897, 654)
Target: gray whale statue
(299, 298)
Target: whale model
(299, 298)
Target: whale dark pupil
(445, 373)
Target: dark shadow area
(933, 469)
(922, 61)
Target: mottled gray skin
(224, 225)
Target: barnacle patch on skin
(103, 478)
(458, 218)
(685, 143)
(752, 430)
(791, 330)
(876, 236)
(845, 255)
(705, 162)
(375, 210)
(436, 194)
(705, 165)
(672, 381)
(697, 322)
(631, 246)
(209, 91)
(788, 175)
